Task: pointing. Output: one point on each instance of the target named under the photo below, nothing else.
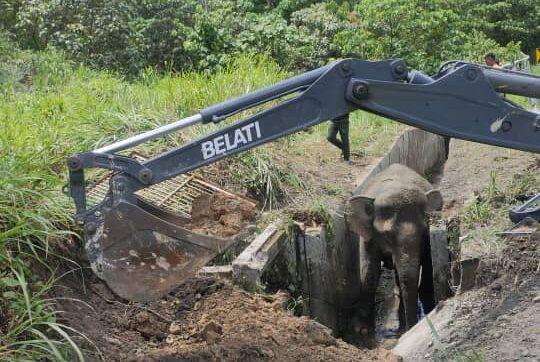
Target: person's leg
(332, 132)
(344, 135)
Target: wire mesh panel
(174, 195)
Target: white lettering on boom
(231, 140)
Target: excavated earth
(204, 319)
(220, 215)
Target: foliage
(297, 34)
(423, 32)
(265, 179)
(511, 20)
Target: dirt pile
(518, 262)
(204, 319)
(220, 215)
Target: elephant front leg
(407, 270)
(370, 269)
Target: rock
(536, 299)
(319, 334)
(496, 335)
(175, 328)
(113, 340)
(211, 332)
(268, 353)
(496, 286)
(142, 317)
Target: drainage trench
(320, 266)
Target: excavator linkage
(143, 251)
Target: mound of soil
(204, 319)
(220, 215)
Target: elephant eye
(385, 212)
(369, 209)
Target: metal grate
(174, 195)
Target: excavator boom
(142, 252)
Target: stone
(211, 332)
(174, 328)
(496, 335)
(319, 334)
(113, 340)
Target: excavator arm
(142, 252)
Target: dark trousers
(341, 125)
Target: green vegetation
(191, 34)
(487, 214)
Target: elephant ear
(434, 200)
(361, 212)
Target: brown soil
(205, 319)
(469, 168)
(220, 215)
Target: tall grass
(51, 108)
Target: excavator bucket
(142, 254)
(144, 250)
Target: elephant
(390, 219)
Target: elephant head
(395, 210)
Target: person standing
(340, 125)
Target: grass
(487, 214)
(50, 109)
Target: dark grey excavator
(142, 251)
